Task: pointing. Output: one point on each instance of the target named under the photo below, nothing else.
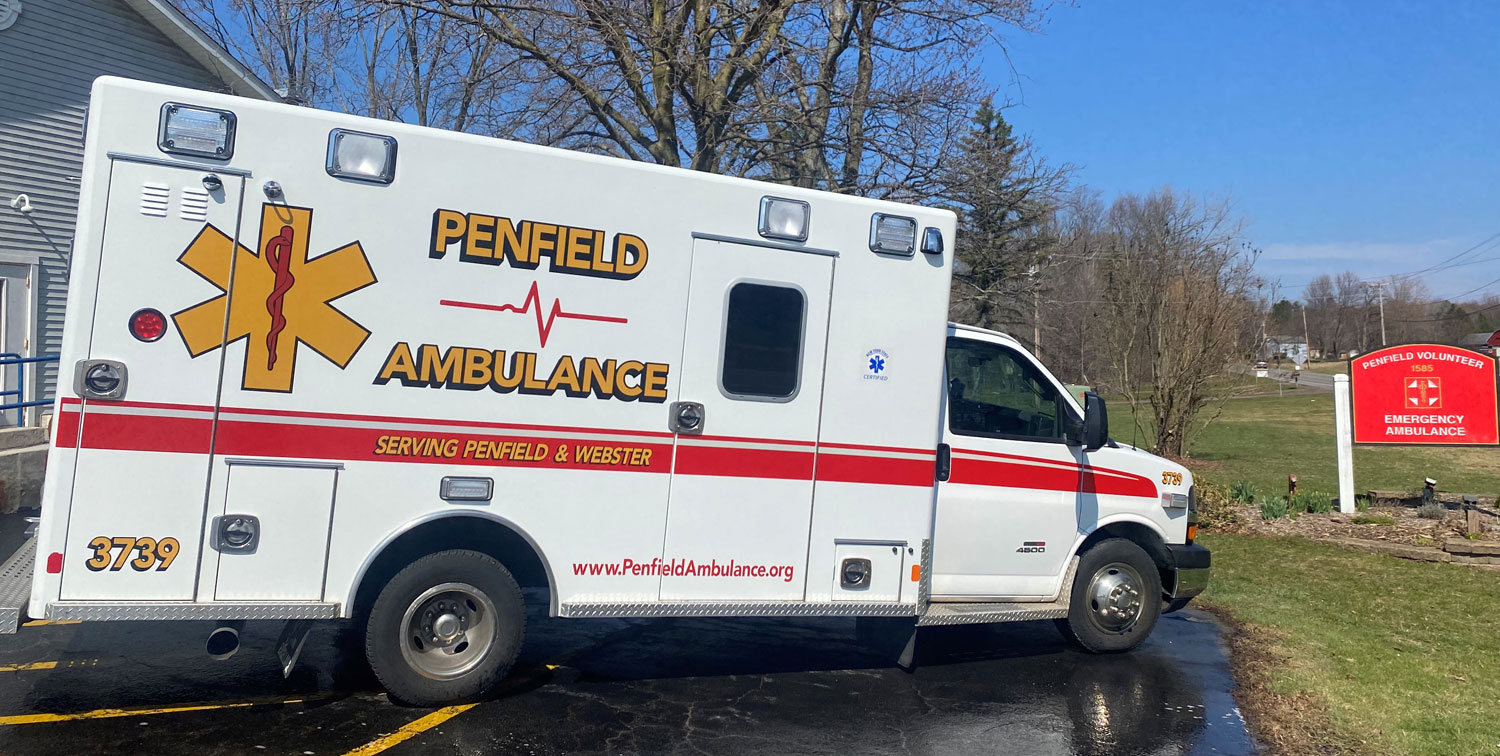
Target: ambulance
(323, 367)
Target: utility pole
(1306, 340)
(1380, 292)
(1036, 312)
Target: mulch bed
(1408, 529)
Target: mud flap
(289, 645)
(891, 637)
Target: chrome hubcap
(1115, 597)
(448, 630)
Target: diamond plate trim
(15, 586)
(735, 609)
(985, 613)
(924, 584)
(90, 611)
(973, 614)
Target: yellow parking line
(411, 730)
(25, 719)
(42, 623)
(28, 666)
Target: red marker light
(148, 324)
(54, 563)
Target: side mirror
(1095, 432)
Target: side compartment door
(1007, 516)
(143, 457)
(751, 389)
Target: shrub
(1374, 519)
(1361, 502)
(1432, 510)
(1216, 510)
(1273, 507)
(1315, 502)
(1243, 491)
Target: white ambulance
(318, 367)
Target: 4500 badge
(152, 553)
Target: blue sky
(1358, 136)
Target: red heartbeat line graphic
(533, 304)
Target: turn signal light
(148, 324)
(1192, 532)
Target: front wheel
(445, 628)
(1116, 597)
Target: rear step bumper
(15, 586)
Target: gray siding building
(50, 53)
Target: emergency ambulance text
(491, 240)
(471, 369)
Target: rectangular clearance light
(201, 132)
(466, 489)
(784, 218)
(360, 156)
(893, 234)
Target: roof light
(201, 132)
(784, 218)
(893, 234)
(360, 156)
(466, 489)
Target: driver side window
(993, 391)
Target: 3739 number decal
(149, 552)
(1171, 478)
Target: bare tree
(1178, 285)
(851, 95)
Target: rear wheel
(1116, 597)
(445, 628)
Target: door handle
(685, 417)
(100, 379)
(237, 533)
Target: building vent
(154, 198)
(194, 204)
(10, 10)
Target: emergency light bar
(784, 218)
(201, 132)
(893, 234)
(360, 156)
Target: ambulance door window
(995, 392)
(762, 352)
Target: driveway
(628, 686)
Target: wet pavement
(627, 686)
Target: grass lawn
(1263, 439)
(1336, 367)
(1403, 656)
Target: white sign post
(1344, 430)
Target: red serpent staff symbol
(278, 254)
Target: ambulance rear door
(145, 396)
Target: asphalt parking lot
(627, 686)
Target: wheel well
(480, 534)
(1144, 537)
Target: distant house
(1288, 347)
(50, 53)
(1483, 341)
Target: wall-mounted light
(784, 218)
(360, 156)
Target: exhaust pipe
(223, 642)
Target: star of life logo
(276, 298)
(1424, 393)
(875, 365)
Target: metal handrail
(11, 358)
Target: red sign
(1424, 394)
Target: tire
(1116, 597)
(477, 623)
